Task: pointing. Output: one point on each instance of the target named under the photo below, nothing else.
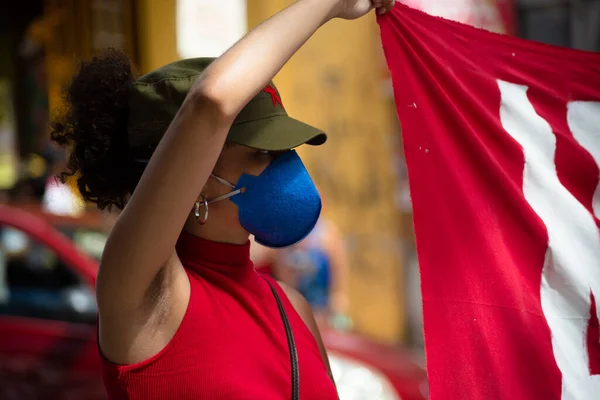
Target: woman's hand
(352, 9)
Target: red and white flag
(502, 142)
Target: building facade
(338, 82)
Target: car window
(36, 283)
(90, 241)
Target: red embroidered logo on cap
(274, 96)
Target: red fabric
(502, 142)
(231, 343)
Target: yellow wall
(335, 82)
(157, 36)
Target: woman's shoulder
(298, 301)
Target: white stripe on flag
(571, 267)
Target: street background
(338, 82)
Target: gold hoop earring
(197, 206)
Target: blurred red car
(48, 266)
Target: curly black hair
(93, 128)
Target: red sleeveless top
(231, 343)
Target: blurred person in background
(317, 267)
(198, 154)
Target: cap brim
(275, 134)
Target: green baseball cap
(263, 123)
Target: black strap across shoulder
(291, 346)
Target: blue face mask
(281, 206)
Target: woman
(182, 313)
